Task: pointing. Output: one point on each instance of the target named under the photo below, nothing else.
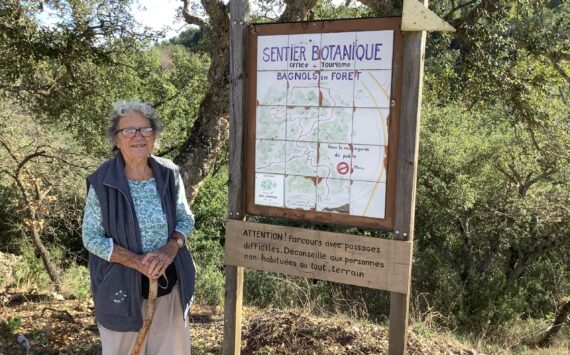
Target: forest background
(493, 196)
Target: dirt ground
(55, 326)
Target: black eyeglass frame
(144, 131)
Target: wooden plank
(233, 299)
(239, 17)
(412, 82)
(364, 261)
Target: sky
(159, 14)
(156, 14)
(162, 13)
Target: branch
(529, 182)
(559, 69)
(5, 171)
(64, 161)
(20, 187)
(383, 7)
(544, 246)
(456, 8)
(9, 151)
(297, 10)
(27, 159)
(216, 9)
(484, 7)
(41, 194)
(159, 103)
(189, 17)
(467, 247)
(509, 176)
(485, 263)
(559, 320)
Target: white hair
(123, 108)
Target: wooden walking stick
(152, 290)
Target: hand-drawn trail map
(321, 121)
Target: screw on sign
(342, 168)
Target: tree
(69, 73)
(210, 130)
(43, 171)
(493, 160)
(488, 214)
(192, 38)
(493, 173)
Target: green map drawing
(322, 133)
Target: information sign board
(371, 262)
(323, 116)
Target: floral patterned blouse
(151, 218)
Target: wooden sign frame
(354, 25)
(403, 198)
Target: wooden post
(239, 18)
(413, 65)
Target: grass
(75, 282)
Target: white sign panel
(322, 110)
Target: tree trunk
(297, 10)
(384, 7)
(51, 268)
(559, 320)
(210, 130)
(199, 152)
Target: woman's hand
(152, 264)
(127, 258)
(142, 266)
(156, 262)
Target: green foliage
(51, 182)
(10, 220)
(493, 185)
(176, 87)
(14, 324)
(210, 209)
(192, 38)
(76, 282)
(481, 63)
(210, 285)
(58, 71)
(490, 199)
(29, 272)
(326, 9)
(210, 205)
(264, 289)
(69, 74)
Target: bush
(209, 285)
(75, 282)
(29, 272)
(210, 209)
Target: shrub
(29, 272)
(75, 281)
(209, 285)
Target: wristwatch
(179, 241)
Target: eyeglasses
(131, 132)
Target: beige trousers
(167, 334)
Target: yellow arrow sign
(417, 17)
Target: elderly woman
(135, 226)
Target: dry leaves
(67, 327)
